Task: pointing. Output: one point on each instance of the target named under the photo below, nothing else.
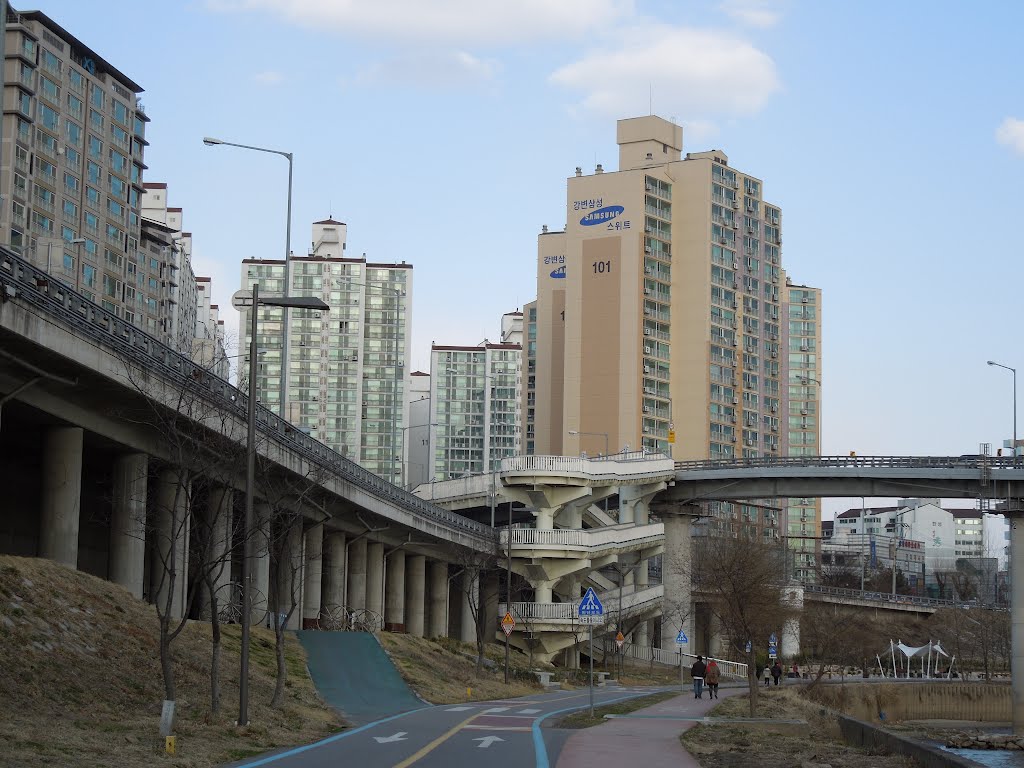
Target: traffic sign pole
(591, 670)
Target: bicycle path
(354, 675)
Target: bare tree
(199, 428)
(474, 567)
(742, 579)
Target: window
(49, 61)
(47, 170)
(95, 148)
(77, 81)
(93, 196)
(116, 210)
(72, 157)
(96, 120)
(120, 135)
(48, 117)
(74, 132)
(49, 89)
(75, 107)
(70, 209)
(89, 275)
(120, 112)
(117, 187)
(119, 162)
(24, 104)
(97, 97)
(93, 172)
(92, 223)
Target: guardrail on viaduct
(35, 288)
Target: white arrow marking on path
(400, 736)
(458, 709)
(528, 711)
(486, 741)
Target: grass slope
(80, 682)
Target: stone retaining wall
(893, 702)
(868, 736)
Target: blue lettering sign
(560, 272)
(601, 215)
(89, 65)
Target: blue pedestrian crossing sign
(748, 646)
(590, 605)
(772, 651)
(772, 640)
(681, 638)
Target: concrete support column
(470, 592)
(571, 657)
(1017, 621)
(260, 569)
(675, 568)
(334, 569)
(542, 591)
(169, 571)
(289, 575)
(394, 597)
(357, 575)
(62, 495)
(415, 583)
(313, 575)
(545, 519)
(375, 578)
(793, 599)
(641, 637)
(489, 602)
(217, 526)
(128, 523)
(438, 596)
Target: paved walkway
(647, 737)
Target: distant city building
(208, 347)
(162, 232)
(475, 393)
(663, 321)
(71, 170)
(340, 374)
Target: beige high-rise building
(659, 321)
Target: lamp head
(211, 142)
(77, 240)
(990, 362)
(573, 432)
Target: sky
(442, 132)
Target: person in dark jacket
(697, 672)
(776, 671)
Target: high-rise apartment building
(71, 169)
(660, 316)
(339, 374)
(475, 394)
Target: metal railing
(857, 462)
(626, 464)
(590, 538)
(632, 600)
(35, 288)
(886, 597)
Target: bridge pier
(415, 581)
(793, 599)
(394, 599)
(289, 574)
(169, 569)
(356, 600)
(1017, 620)
(62, 495)
(438, 597)
(260, 571)
(217, 526)
(313, 573)
(334, 569)
(677, 564)
(469, 591)
(375, 578)
(128, 523)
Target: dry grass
(81, 681)
(737, 745)
(443, 671)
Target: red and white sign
(620, 640)
(508, 624)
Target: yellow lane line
(435, 743)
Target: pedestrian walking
(767, 675)
(776, 671)
(712, 677)
(697, 672)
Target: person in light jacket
(767, 676)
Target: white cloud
(695, 74)
(429, 69)
(447, 22)
(1010, 133)
(754, 13)
(270, 77)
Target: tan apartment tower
(659, 318)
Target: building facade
(475, 394)
(71, 169)
(341, 375)
(661, 314)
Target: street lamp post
(299, 302)
(1014, 372)
(595, 434)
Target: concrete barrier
(868, 736)
(894, 702)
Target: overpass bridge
(92, 412)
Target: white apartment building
(341, 375)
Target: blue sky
(442, 132)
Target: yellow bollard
(169, 744)
(469, 693)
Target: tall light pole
(211, 142)
(1014, 372)
(299, 302)
(595, 434)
